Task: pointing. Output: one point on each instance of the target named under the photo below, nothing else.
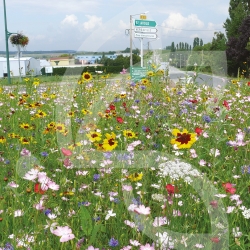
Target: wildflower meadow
(121, 164)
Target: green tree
(201, 42)
(238, 11)
(219, 42)
(196, 42)
(172, 47)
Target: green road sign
(138, 73)
(145, 23)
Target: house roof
(59, 58)
(3, 59)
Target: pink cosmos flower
(13, 184)
(146, 247)
(92, 248)
(25, 152)
(127, 188)
(159, 221)
(65, 233)
(66, 152)
(142, 210)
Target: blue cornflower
(8, 246)
(206, 118)
(116, 200)
(151, 111)
(7, 162)
(47, 211)
(183, 111)
(96, 218)
(245, 169)
(137, 201)
(113, 242)
(96, 177)
(247, 130)
(137, 101)
(143, 87)
(107, 155)
(157, 103)
(116, 99)
(83, 203)
(44, 154)
(132, 84)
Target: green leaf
(96, 229)
(86, 220)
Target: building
(92, 59)
(28, 66)
(61, 61)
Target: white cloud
(123, 25)
(92, 23)
(70, 20)
(175, 22)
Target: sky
(98, 25)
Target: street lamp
(7, 35)
(131, 19)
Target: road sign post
(145, 23)
(145, 35)
(137, 73)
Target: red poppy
(226, 105)
(193, 101)
(112, 107)
(37, 189)
(124, 104)
(119, 119)
(198, 131)
(107, 111)
(171, 189)
(215, 239)
(248, 84)
(229, 188)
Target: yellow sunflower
(94, 136)
(109, 143)
(86, 76)
(135, 177)
(129, 134)
(183, 139)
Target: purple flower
(8, 246)
(113, 242)
(207, 118)
(44, 154)
(96, 177)
(47, 211)
(245, 169)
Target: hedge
(79, 70)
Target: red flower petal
(66, 152)
(119, 119)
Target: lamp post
(7, 35)
(130, 33)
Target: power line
(185, 29)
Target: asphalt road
(210, 80)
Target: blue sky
(98, 25)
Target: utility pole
(7, 34)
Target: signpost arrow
(147, 30)
(145, 23)
(145, 35)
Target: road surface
(210, 80)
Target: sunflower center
(183, 138)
